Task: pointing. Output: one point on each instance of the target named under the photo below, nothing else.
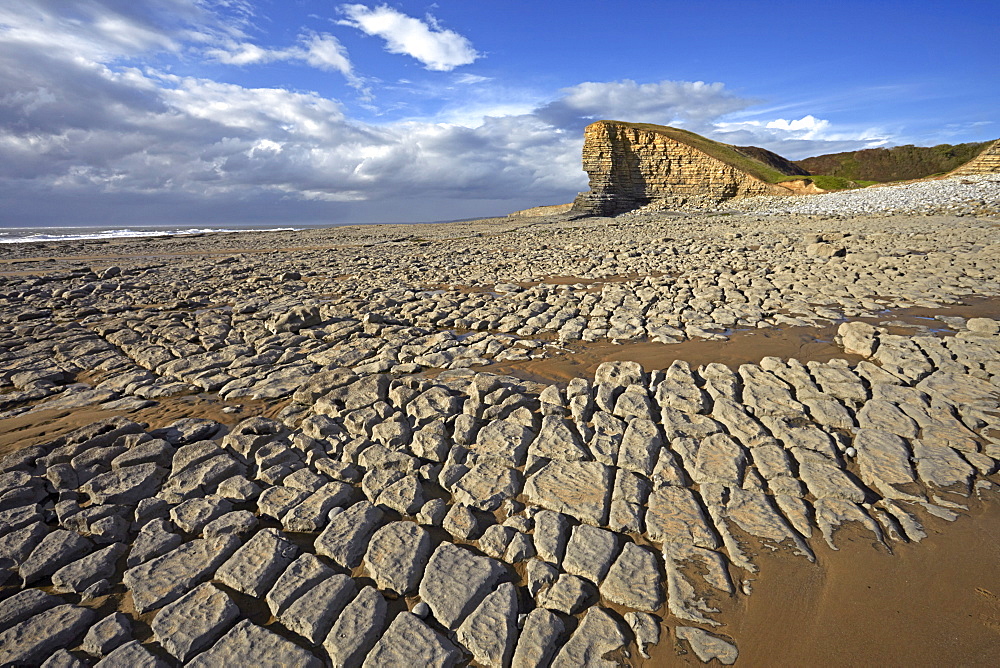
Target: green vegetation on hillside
(900, 163)
(724, 152)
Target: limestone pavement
(366, 493)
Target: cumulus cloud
(437, 48)
(691, 103)
(797, 138)
(86, 133)
(70, 128)
(809, 127)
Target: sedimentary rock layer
(987, 162)
(632, 165)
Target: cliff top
(778, 170)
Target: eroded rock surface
(231, 444)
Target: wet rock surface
(368, 465)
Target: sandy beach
(567, 440)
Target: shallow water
(19, 235)
(749, 346)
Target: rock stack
(631, 165)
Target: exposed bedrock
(632, 165)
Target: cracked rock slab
(311, 514)
(346, 536)
(455, 581)
(707, 646)
(590, 552)
(675, 516)
(753, 513)
(247, 644)
(357, 629)
(824, 478)
(487, 485)
(55, 550)
(134, 655)
(397, 555)
(300, 576)
(23, 605)
(569, 594)
(410, 642)
(551, 535)
(883, 457)
(578, 489)
(194, 621)
(539, 639)
(635, 580)
(82, 573)
(312, 614)
(127, 485)
(598, 634)
(166, 578)
(831, 513)
(255, 566)
(490, 631)
(31, 641)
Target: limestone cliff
(987, 162)
(631, 165)
(539, 211)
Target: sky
(226, 112)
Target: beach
(753, 434)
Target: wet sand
(742, 347)
(933, 603)
(45, 425)
(747, 346)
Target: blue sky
(300, 111)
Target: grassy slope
(899, 163)
(724, 152)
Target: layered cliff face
(987, 162)
(631, 165)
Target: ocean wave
(24, 235)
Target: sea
(20, 235)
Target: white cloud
(470, 79)
(438, 49)
(244, 54)
(807, 127)
(326, 53)
(797, 138)
(81, 131)
(321, 51)
(158, 134)
(664, 103)
(266, 112)
(106, 29)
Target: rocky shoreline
(360, 445)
